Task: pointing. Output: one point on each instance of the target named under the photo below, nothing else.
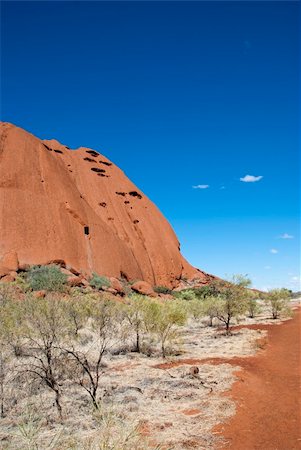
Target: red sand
(267, 394)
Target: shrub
(134, 311)
(186, 294)
(278, 300)
(162, 290)
(163, 320)
(98, 282)
(43, 325)
(86, 365)
(49, 278)
(22, 282)
(211, 308)
(195, 308)
(231, 301)
(253, 306)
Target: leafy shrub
(253, 305)
(278, 301)
(49, 278)
(186, 294)
(162, 290)
(163, 320)
(99, 282)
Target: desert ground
(217, 391)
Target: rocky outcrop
(77, 208)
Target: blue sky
(178, 94)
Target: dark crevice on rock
(135, 194)
(96, 169)
(90, 159)
(93, 153)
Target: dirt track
(267, 394)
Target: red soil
(267, 394)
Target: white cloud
(286, 236)
(201, 186)
(251, 178)
(267, 267)
(274, 251)
(295, 282)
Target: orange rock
(7, 279)
(39, 294)
(77, 209)
(8, 262)
(111, 290)
(74, 281)
(67, 272)
(144, 288)
(116, 284)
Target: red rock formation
(77, 207)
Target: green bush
(163, 320)
(278, 301)
(162, 290)
(185, 294)
(99, 282)
(49, 278)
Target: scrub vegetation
(59, 356)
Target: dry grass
(142, 406)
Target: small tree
(253, 306)
(134, 312)
(76, 311)
(232, 299)
(49, 278)
(43, 326)
(163, 319)
(278, 300)
(195, 308)
(87, 364)
(211, 308)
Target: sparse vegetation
(64, 355)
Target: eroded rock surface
(78, 207)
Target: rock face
(77, 207)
